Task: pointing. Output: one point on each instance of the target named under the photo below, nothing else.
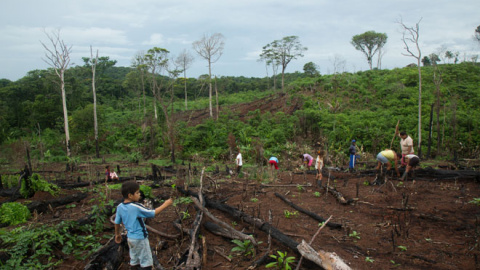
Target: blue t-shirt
(274, 158)
(132, 215)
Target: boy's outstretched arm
(166, 204)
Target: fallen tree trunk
(42, 206)
(308, 213)
(260, 224)
(327, 260)
(236, 234)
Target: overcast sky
(121, 28)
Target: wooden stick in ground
(311, 241)
(394, 135)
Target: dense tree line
(331, 109)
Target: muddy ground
(416, 224)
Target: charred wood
(308, 213)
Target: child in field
(307, 160)
(110, 175)
(132, 214)
(319, 164)
(273, 161)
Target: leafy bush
(14, 213)
(37, 247)
(38, 184)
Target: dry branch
(306, 212)
(338, 195)
(327, 260)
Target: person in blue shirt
(131, 213)
(353, 155)
(273, 161)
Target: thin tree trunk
(210, 88)
(65, 112)
(430, 128)
(95, 121)
(216, 96)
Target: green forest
(326, 111)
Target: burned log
(109, 257)
(43, 206)
(236, 234)
(260, 224)
(308, 213)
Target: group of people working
(386, 157)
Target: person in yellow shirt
(388, 156)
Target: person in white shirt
(239, 161)
(406, 144)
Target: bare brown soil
(404, 225)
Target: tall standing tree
(283, 51)
(269, 60)
(95, 122)
(369, 43)
(156, 61)
(410, 38)
(57, 56)
(102, 63)
(210, 48)
(310, 69)
(184, 60)
(141, 68)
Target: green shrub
(38, 184)
(146, 190)
(14, 213)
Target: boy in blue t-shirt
(131, 214)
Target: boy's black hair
(129, 187)
(403, 133)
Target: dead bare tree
(95, 121)
(184, 60)
(211, 49)
(410, 36)
(57, 56)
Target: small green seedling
(355, 235)
(254, 200)
(400, 184)
(394, 263)
(300, 188)
(234, 223)
(402, 248)
(289, 214)
(185, 214)
(321, 224)
(317, 194)
(370, 260)
(282, 261)
(475, 201)
(243, 247)
(366, 183)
